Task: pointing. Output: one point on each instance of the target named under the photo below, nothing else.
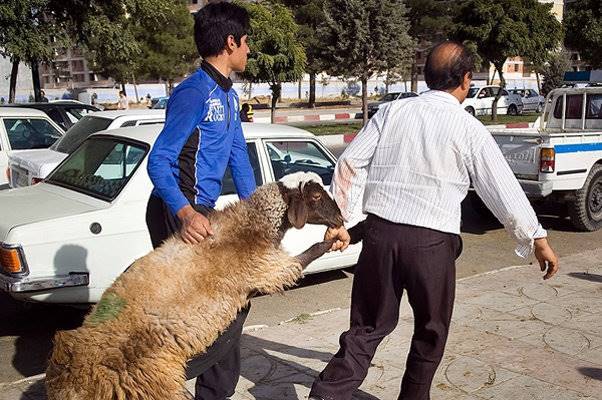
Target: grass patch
(507, 119)
(301, 318)
(333, 129)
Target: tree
(26, 31)
(168, 53)
(583, 22)
(364, 38)
(508, 28)
(431, 21)
(553, 72)
(276, 55)
(309, 15)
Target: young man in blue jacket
(201, 138)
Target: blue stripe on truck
(574, 148)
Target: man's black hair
(447, 64)
(215, 22)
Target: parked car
(374, 106)
(31, 166)
(480, 101)
(559, 160)
(532, 101)
(66, 240)
(23, 128)
(159, 103)
(64, 112)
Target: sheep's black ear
(297, 210)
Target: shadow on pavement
(271, 384)
(37, 391)
(34, 326)
(594, 373)
(586, 277)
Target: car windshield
(30, 133)
(80, 132)
(472, 92)
(288, 157)
(100, 167)
(389, 97)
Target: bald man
(412, 165)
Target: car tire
(512, 109)
(470, 110)
(585, 210)
(539, 108)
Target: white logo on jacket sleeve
(216, 111)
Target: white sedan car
(67, 238)
(28, 167)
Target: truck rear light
(11, 260)
(35, 180)
(547, 162)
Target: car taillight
(547, 163)
(11, 260)
(35, 180)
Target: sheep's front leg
(314, 252)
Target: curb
(285, 119)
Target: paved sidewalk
(513, 337)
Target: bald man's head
(446, 66)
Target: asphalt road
(26, 332)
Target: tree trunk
(13, 81)
(414, 77)
(405, 85)
(250, 90)
(499, 93)
(538, 82)
(35, 77)
(135, 89)
(300, 87)
(276, 91)
(365, 100)
(123, 88)
(312, 90)
(169, 87)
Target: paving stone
(530, 389)
(501, 301)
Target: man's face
(239, 54)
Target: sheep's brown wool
(173, 303)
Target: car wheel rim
(595, 201)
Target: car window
(100, 167)
(504, 92)
(228, 186)
(390, 97)
(77, 113)
(55, 115)
(472, 92)
(594, 106)
(574, 107)
(30, 133)
(287, 157)
(80, 132)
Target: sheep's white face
(308, 202)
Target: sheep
(172, 304)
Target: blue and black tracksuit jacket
(202, 136)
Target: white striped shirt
(413, 164)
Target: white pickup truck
(560, 158)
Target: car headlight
(12, 260)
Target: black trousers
(395, 257)
(218, 369)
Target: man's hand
(546, 257)
(195, 226)
(340, 236)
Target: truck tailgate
(521, 148)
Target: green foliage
(26, 29)
(431, 21)
(508, 28)
(108, 308)
(276, 54)
(583, 21)
(169, 52)
(553, 72)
